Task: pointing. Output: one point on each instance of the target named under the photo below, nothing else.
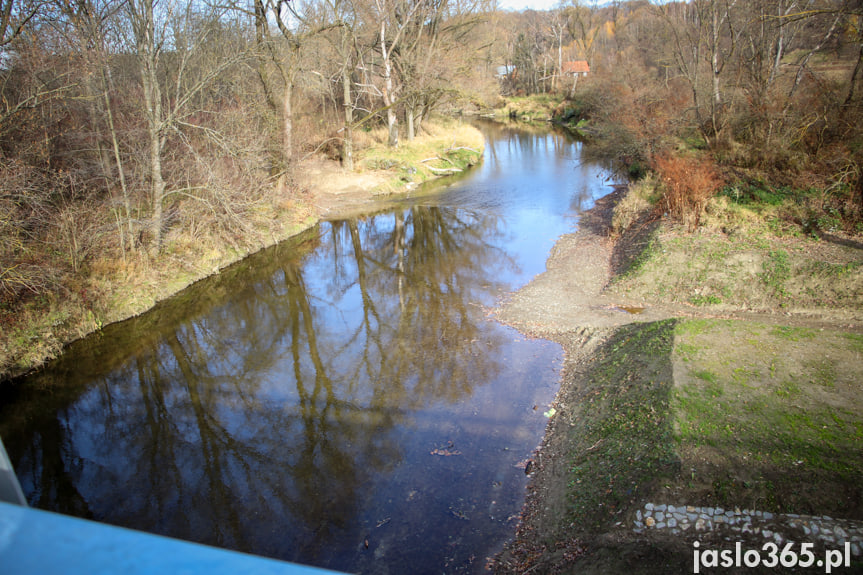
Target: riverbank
(109, 290)
(672, 404)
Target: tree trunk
(418, 120)
(148, 59)
(288, 122)
(106, 84)
(802, 66)
(716, 71)
(157, 189)
(780, 49)
(559, 79)
(409, 115)
(854, 75)
(268, 54)
(348, 149)
(714, 43)
(392, 121)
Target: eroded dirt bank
(719, 408)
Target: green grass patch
(755, 196)
(650, 251)
(793, 333)
(788, 389)
(687, 351)
(737, 262)
(623, 440)
(767, 428)
(777, 271)
(829, 269)
(699, 326)
(822, 372)
(705, 300)
(855, 341)
(706, 375)
(781, 409)
(810, 210)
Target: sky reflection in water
(340, 400)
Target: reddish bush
(687, 185)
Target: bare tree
(296, 24)
(584, 26)
(91, 20)
(169, 38)
(703, 32)
(558, 27)
(342, 14)
(433, 50)
(393, 18)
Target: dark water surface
(341, 400)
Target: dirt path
(336, 191)
(569, 294)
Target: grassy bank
(691, 412)
(446, 147)
(759, 412)
(756, 256)
(107, 288)
(535, 108)
(769, 417)
(609, 446)
(622, 438)
(766, 411)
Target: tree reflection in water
(288, 406)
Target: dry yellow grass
(446, 146)
(640, 196)
(116, 288)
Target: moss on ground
(768, 417)
(622, 438)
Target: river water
(342, 399)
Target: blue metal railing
(10, 489)
(40, 542)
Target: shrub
(687, 185)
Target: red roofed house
(577, 68)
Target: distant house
(503, 72)
(576, 69)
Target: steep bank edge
(566, 304)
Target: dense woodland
(133, 129)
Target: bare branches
(33, 98)
(14, 16)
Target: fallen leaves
(445, 452)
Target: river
(343, 399)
